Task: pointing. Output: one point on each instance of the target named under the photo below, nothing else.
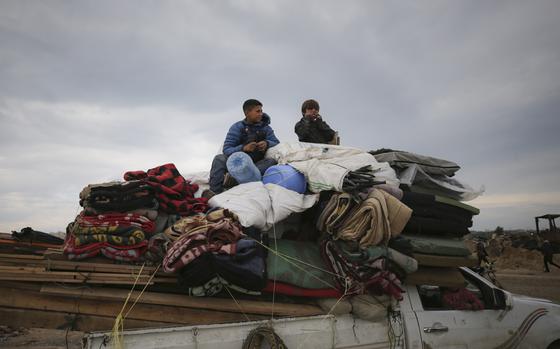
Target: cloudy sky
(91, 89)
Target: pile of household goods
(329, 225)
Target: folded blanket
(117, 196)
(298, 263)
(377, 219)
(403, 159)
(244, 267)
(220, 236)
(291, 290)
(339, 205)
(115, 219)
(437, 245)
(122, 236)
(119, 253)
(353, 278)
(174, 193)
(30, 235)
(198, 223)
(355, 254)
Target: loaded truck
(418, 321)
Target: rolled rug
(335, 212)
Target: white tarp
(325, 166)
(416, 178)
(261, 205)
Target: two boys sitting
(253, 136)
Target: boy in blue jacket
(253, 135)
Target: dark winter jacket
(242, 133)
(546, 249)
(314, 131)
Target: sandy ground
(521, 271)
(532, 283)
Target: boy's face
(311, 112)
(254, 115)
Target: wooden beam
(38, 274)
(20, 256)
(24, 299)
(81, 266)
(210, 303)
(28, 318)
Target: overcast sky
(91, 89)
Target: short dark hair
(250, 104)
(309, 104)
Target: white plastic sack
(325, 166)
(299, 151)
(414, 176)
(262, 205)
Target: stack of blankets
(119, 218)
(363, 239)
(440, 217)
(211, 252)
(355, 246)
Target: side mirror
(509, 300)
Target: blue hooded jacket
(242, 133)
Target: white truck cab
(507, 321)
(421, 322)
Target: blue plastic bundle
(287, 177)
(241, 167)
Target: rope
(300, 345)
(287, 259)
(118, 326)
(255, 338)
(275, 265)
(143, 289)
(394, 338)
(236, 302)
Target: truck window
(476, 295)
(451, 298)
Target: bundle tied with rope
(262, 334)
(358, 181)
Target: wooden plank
(20, 256)
(68, 281)
(76, 275)
(35, 286)
(445, 261)
(24, 299)
(21, 269)
(28, 318)
(211, 303)
(83, 266)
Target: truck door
(442, 326)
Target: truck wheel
(554, 345)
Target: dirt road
(532, 283)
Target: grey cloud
(129, 84)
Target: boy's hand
(250, 147)
(262, 145)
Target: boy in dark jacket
(548, 254)
(252, 135)
(312, 128)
